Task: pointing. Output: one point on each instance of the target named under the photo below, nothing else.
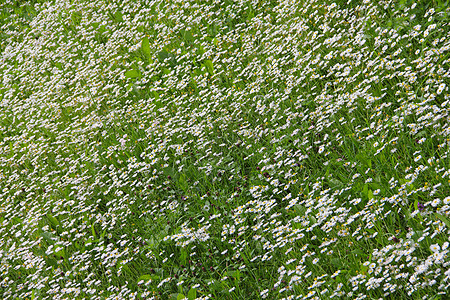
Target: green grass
(224, 150)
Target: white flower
(441, 88)
(446, 200)
(321, 148)
(264, 293)
(435, 248)
(435, 202)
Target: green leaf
(365, 191)
(299, 209)
(152, 243)
(52, 220)
(182, 182)
(146, 47)
(183, 256)
(145, 277)
(93, 231)
(16, 220)
(335, 183)
(200, 50)
(162, 55)
(168, 171)
(181, 296)
(132, 74)
(358, 252)
(209, 67)
(48, 237)
(236, 274)
(192, 294)
(188, 36)
(370, 194)
(337, 262)
(445, 220)
(118, 16)
(259, 246)
(59, 251)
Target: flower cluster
(224, 149)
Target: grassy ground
(224, 149)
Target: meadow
(224, 149)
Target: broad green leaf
(200, 50)
(52, 220)
(192, 294)
(162, 55)
(182, 182)
(132, 74)
(59, 251)
(370, 194)
(145, 277)
(48, 237)
(118, 16)
(152, 243)
(365, 191)
(168, 171)
(183, 256)
(181, 296)
(146, 47)
(358, 252)
(336, 183)
(259, 246)
(188, 36)
(16, 220)
(299, 209)
(93, 231)
(336, 262)
(209, 67)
